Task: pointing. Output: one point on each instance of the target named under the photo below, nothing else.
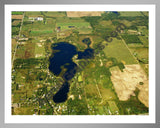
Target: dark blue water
(61, 64)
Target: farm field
(129, 39)
(18, 17)
(131, 13)
(81, 14)
(33, 13)
(82, 27)
(17, 13)
(118, 50)
(38, 28)
(26, 50)
(55, 14)
(144, 40)
(141, 53)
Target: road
(17, 41)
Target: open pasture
(82, 27)
(118, 50)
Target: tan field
(17, 16)
(126, 82)
(84, 13)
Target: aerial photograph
(80, 63)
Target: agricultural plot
(39, 28)
(25, 51)
(129, 39)
(144, 40)
(141, 54)
(17, 13)
(86, 13)
(126, 82)
(82, 27)
(18, 17)
(118, 50)
(131, 13)
(55, 14)
(33, 13)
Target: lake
(61, 64)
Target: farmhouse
(36, 18)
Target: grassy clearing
(39, 50)
(118, 50)
(16, 22)
(113, 107)
(107, 94)
(25, 51)
(130, 13)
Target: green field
(143, 30)
(129, 39)
(82, 27)
(118, 50)
(76, 25)
(55, 14)
(131, 13)
(69, 20)
(17, 13)
(141, 53)
(144, 40)
(34, 13)
(39, 28)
